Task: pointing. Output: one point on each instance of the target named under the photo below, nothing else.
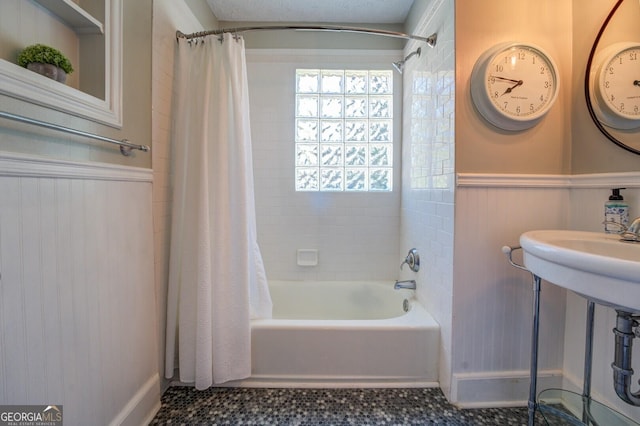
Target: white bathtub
(344, 334)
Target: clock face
(619, 82)
(513, 86)
(521, 82)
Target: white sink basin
(595, 265)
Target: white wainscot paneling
(77, 310)
(492, 330)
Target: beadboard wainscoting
(492, 301)
(77, 306)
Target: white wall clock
(614, 84)
(513, 85)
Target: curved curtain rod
(431, 40)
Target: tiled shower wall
(428, 169)
(356, 234)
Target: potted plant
(45, 60)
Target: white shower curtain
(217, 281)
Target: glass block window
(344, 130)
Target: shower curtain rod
(431, 40)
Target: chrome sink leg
(588, 356)
(532, 405)
(533, 374)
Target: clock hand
(510, 89)
(504, 79)
(636, 82)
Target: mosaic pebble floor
(248, 406)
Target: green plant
(46, 55)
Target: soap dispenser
(616, 213)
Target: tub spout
(408, 284)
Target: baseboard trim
(144, 405)
(329, 382)
(498, 389)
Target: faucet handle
(413, 260)
(632, 232)
(635, 226)
(629, 233)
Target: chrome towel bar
(125, 146)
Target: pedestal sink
(602, 269)
(595, 265)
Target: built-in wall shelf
(99, 56)
(73, 15)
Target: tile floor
(247, 406)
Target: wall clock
(615, 85)
(513, 85)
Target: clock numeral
(518, 109)
(506, 104)
(547, 84)
(611, 71)
(541, 98)
(496, 95)
(635, 109)
(543, 70)
(633, 56)
(499, 68)
(531, 107)
(621, 106)
(521, 55)
(613, 98)
(607, 84)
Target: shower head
(399, 65)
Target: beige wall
(136, 126)
(566, 141)
(592, 152)
(482, 148)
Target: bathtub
(344, 334)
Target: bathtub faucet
(408, 284)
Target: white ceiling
(325, 11)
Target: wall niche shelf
(73, 16)
(106, 108)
